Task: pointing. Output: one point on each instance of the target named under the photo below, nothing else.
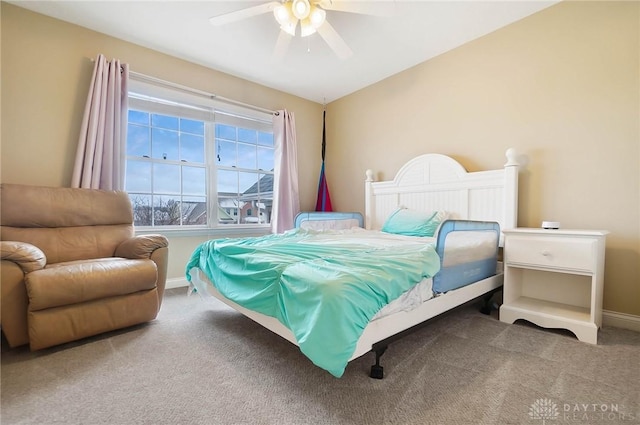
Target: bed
(414, 277)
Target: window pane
(247, 135)
(192, 148)
(166, 178)
(266, 186)
(194, 210)
(164, 121)
(166, 211)
(267, 215)
(138, 117)
(228, 211)
(138, 176)
(265, 159)
(225, 132)
(248, 183)
(191, 126)
(164, 144)
(138, 142)
(265, 139)
(226, 153)
(247, 156)
(264, 213)
(265, 203)
(249, 214)
(141, 205)
(227, 182)
(253, 212)
(194, 181)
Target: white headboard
(437, 182)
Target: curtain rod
(144, 77)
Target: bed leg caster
(377, 371)
(488, 305)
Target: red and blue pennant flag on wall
(323, 203)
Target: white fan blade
(334, 40)
(282, 45)
(238, 15)
(375, 8)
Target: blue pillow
(408, 222)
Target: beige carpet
(201, 363)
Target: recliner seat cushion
(81, 281)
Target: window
(194, 167)
(245, 162)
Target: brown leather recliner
(72, 267)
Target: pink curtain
(286, 201)
(101, 146)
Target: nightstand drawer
(552, 252)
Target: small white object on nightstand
(551, 225)
(554, 278)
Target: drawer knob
(546, 254)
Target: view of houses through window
(182, 171)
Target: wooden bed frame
(428, 182)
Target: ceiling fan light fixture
(301, 8)
(310, 24)
(285, 18)
(290, 28)
(317, 17)
(283, 14)
(306, 28)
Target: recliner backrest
(65, 223)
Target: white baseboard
(176, 282)
(621, 320)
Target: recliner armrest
(141, 246)
(28, 257)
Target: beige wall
(561, 86)
(46, 69)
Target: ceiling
(413, 32)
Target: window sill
(213, 233)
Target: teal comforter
(324, 286)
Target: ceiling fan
(312, 16)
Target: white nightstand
(554, 278)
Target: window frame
(158, 99)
